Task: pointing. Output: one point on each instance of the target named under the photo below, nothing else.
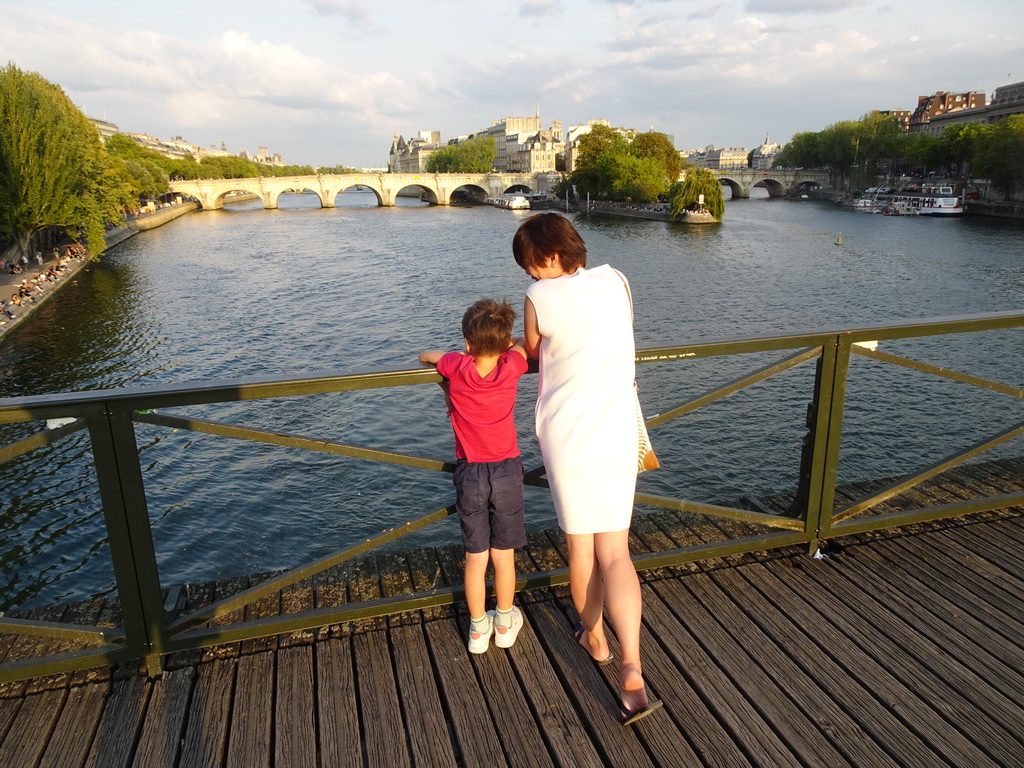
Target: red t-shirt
(483, 408)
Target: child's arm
(431, 356)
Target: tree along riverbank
(10, 283)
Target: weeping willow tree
(686, 195)
(54, 171)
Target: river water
(248, 292)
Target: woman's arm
(531, 333)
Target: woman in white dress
(579, 323)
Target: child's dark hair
(487, 326)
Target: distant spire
(538, 106)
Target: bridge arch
(467, 193)
(272, 196)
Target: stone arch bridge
(779, 182)
(436, 188)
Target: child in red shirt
(480, 387)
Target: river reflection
(247, 292)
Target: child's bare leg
(504, 577)
(475, 584)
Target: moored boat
(511, 202)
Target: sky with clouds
(327, 82)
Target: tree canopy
(475, 155)
(608, 165)
(686, 195)
(54, 171)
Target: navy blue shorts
(489, 500)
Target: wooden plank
(425, 572)
(249, 734)
(425, 721)
(591, 690)
(775, 703)
(86, 613)
(223, 589)
(263, 608)
(118, 731)
(72, 736)
(295, 744)
(338, 714)
(896, 648)
(379, 704)
(395, 580)
(162, 729)
(472, 728)
(205, 738)
(28, 735)
(804, 642)
(296, 598)
(955, 630)
(330, 589)
(30, 647)
(8, 711)
(109, 615)
(506, 698)
(197, 596)
(969, 595)
(866, 733)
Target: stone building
(901, 116)
(717, 158)
(1007, 100)
(411, 156)
(941, 103)
(762, 157)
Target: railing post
(119, 476)
(830, 396)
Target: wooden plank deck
(901, 648)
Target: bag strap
(629, 295)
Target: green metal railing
(147, 633)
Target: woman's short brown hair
(545, 234)
(487, 326)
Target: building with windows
(762, 157)
(942, 103)
(411, 156)
(901, 116)
(717, 158)
(1007, 100)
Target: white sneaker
(480, 643)
(505, 637)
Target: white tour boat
(511, 202)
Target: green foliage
(659, 147)
(475, 155)
(999, 154)
(54, 170)
(142, 169)
(641, 179)
(609, 166)
(685, 195)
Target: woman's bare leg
(622, 588)
(587, 590)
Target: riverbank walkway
(899, 648)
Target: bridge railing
(147, 631)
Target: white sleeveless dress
(586, 402)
